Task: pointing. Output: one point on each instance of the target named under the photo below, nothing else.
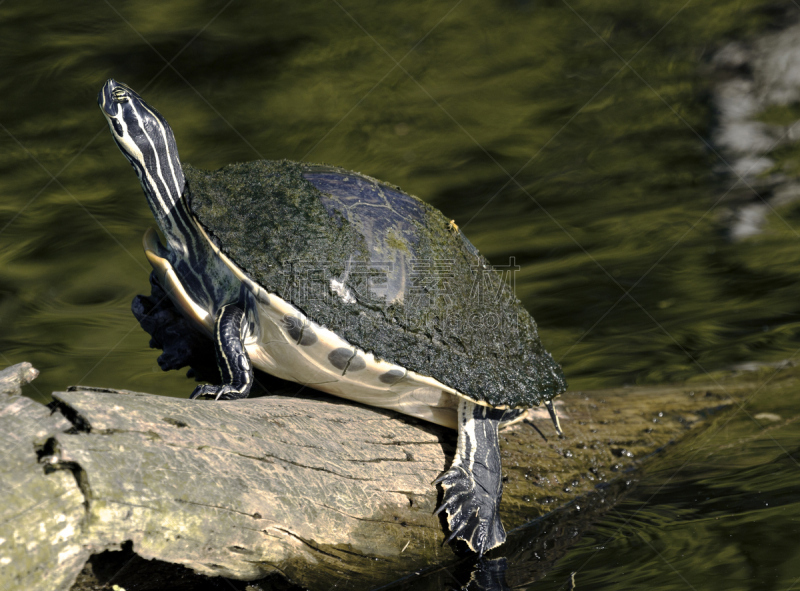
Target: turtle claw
(448, 503)
(554, 417)
(223, 392)
(452, 536)
(472, 513)
(452, 477)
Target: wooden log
(13, 378)
(314, 488)
(42, 515)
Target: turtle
(339, 281)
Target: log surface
(41, 515)
(13, 378)
(243, 488)
(319, 490)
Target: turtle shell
(383, 270)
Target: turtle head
(146, 140)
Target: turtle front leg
(234, 364)
(473, 486)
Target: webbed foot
(234, 364)
(472, 511)
(181, 342)
(223, 392)
(473, 486)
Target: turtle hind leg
(232, 359)
(181, 342)
(473, 486)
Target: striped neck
(161, 176)
(165, 196)
(145, 138)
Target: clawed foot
(472, 511)
(224, 392)
(181, 342)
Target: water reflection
(488, 575)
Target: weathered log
(317, 489)
(41, 515)
(13, 378)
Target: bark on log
(13, 378)
(41, 515)
(317, 489)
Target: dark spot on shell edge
(356, 364)
(339, 357)
(293, 326)
(309, 337)
(392, 376)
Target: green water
(517, 118)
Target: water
(520, 120)
(719, 513)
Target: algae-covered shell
(383, 270)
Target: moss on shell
(423, 297)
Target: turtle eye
(119, 95)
